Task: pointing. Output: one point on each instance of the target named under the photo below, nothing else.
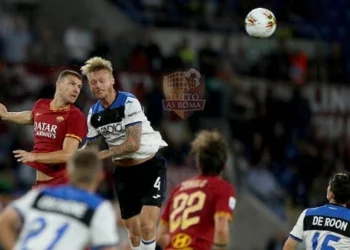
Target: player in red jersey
(198, 211)
(59, 127)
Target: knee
(134, 239)
(148, 227)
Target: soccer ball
(260, 23)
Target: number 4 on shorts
(157, 183)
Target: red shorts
(53, 182)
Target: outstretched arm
(24, 117)
(131, 144)
(70, 146)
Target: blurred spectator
(336, 64)
(100, 46)
(79, 43)
(16, 41)
(277, 242)
(45, 50)
(208, 59)
(187, 54)
(262, 183)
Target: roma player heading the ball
(197, 214)
(59, 127)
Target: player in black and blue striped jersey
(326, 227)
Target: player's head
(338, 190)
(68, 85)
(85, 169)
(211, 152)
(99, 73)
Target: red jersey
(191, 209)
(51, 127)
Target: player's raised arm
(133, 122)
(24, 117)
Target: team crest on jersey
(59, 119)
(183, 92)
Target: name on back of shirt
(329, 222)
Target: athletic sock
(148, 244)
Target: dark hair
(340, 187)
(70, 73)
(211, 152)
(85, 166)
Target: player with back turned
(67, 217)
(198, 211)
(326, 227)
(59, 127)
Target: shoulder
(93, 201)
(126, 97)
(95, 108)
(75, 113)
(222, 186)
(43, 102)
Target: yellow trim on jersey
(74, 136)
(223, 214)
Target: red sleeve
(225, 201)
(77, 127)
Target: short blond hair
(84, 166)
(95, 64)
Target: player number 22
(325, 243)
(40, 224)
(185, 204)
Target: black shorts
(140, 185)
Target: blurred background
(282, 102)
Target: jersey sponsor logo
(232, 203)
(134, 113)
(181, 241)
(59, 119)
(113, 128)
(45, 130)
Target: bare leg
(134, 229)
(148, 220)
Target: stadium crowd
(277, 151)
